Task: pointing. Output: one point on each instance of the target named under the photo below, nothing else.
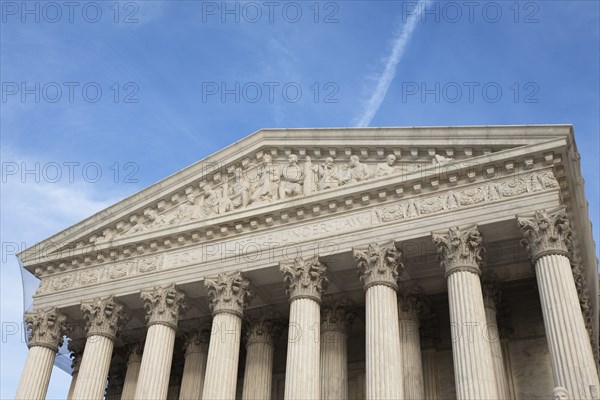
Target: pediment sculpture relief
(265, 183)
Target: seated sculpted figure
(238, 191)
(329, 176)
(386, 168)
(357, 171)
(291, 178)
(267, 182)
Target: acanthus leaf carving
(459, 249)
(337, 314)
(379, 265)
(46, 327)
(228, 292)
(263, 327)
(164, 305)
(104, 316)
(546, 232)
(304, 278)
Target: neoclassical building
(376, 263)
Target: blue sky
(168, 71)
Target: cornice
(420, 139)
(397, 209)
(375, 191)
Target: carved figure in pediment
(291, 178)
(189, 210)
(548, 180)
(267, 184)
(329, 175)
(356, 172)
(211, 202)
(439, 159)
(311, 176)
(153, 219)
(387, 167)
(238, 192)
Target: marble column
(378, 270)
(76, 348)
(116, 379)
(134, 362)
(104, 317)
(260, 334)
(547, 238)
(228, 295)
(164, 306)
(429, 339)
(194, 367)
(337, 316)
(305, 283)
(410, 304)
(491, 298)
(460, 254)
(46, 329)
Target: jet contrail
(389, 72)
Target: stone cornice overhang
(262, 217)
(461, 136)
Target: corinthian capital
(459, 250)
(228, 293)
(304, 278)
(263, 328)
(164, 305)
(379, 265)
(545, 233)
(413, 304)
(337, 314)
(104, 316)
(46, 327)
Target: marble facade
(377, 263)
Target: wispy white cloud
(400, 42)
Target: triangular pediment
(293, 173)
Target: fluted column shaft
(46, 328)
(306, 282)
(410, 350)
(431, 383)
(229, 296)
(223, 357)
(460, 253)
(164, 307)
(378, 269)
(194, 369)
(95, 363)
(134, 363)
(547, 238)
(383, 357)
(334, 365)
(36, 373)
(155, 368)
(493, 336)
(104, 316)
(573, 364)
(473, 366)
(302, 377)
(258, 373)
